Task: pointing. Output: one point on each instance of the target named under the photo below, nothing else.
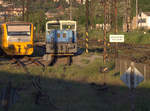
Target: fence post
(144, 72)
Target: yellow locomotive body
(16, 38)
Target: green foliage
(38, 18)
(141, 37)
(62, 3)
(96, 34)
(79, 15)
(144, 5)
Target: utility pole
(104, 56)
(23, 1)
(109, 12)
(128, 14)
(70, 9)
(5, 18)
(116, 14)
(116, 27)
(12, 11)
(87, 25)
(137, 14)
(116, 31)
(27, 7)
(106, 5)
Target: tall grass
(137, 37)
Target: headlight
(52, 39)
(11, 47)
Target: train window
(17, 30)
(58, 35)
(64, 35)
(53, 26)
(68, 27)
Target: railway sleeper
(36, 62)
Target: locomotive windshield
(53, 26)
(17, 30)
(68, 27)
(61, 25)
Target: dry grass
(71, 90)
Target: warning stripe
(87, 51)
(87, 45)
(87, 34)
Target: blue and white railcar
(61, 37)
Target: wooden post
(70, 2)
(132, 86)
(23, 10)
(104, 56)
(27, 7)
(132, 76)
(137, 14)
(116, 14)
(144, 72)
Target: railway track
(126, 47)
(40, 96)
(93, 43)
(35, 80)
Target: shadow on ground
(39, 51)
(90, 50)
(71, 95)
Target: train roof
(15, 22)
(62, 22)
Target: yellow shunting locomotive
(16, 38)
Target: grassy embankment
(71, 90)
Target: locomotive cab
(16, 38)
(61, 37)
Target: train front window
(19, 30)
(53, 26)
(68, 27)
